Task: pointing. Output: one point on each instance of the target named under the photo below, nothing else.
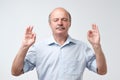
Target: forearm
(100, 59)
(18, 63)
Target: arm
(18, 63)
(94, 39)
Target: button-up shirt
(60, 62)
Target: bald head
(60, 9)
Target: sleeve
(91, 59)
(30, 60)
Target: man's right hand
(29, 37)
(28, 40)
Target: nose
(60, 23)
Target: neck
(60, 38)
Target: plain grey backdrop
(16, 15)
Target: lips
(60, 27)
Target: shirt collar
(51, 41)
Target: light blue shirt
(55, 62)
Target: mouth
(60, 28)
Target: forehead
(59, 13)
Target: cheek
(52, 24)
(53, 28)
(68, 26)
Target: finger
(95, 28)
(34, 36)
(31, 28)
(27, 30)
(90, 32)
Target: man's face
(60, 22)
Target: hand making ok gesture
(29, 37)
(94, 35)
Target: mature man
(60, 57)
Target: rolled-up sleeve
(91, 60)
(30, 60)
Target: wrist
(96, 46)
(24, 47)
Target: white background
(15, 15)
